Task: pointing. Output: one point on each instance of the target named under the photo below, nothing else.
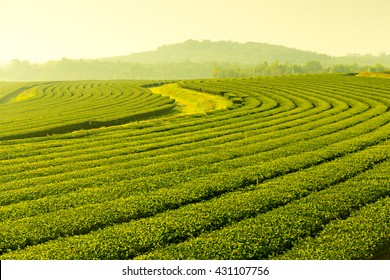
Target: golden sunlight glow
(40, 30)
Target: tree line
(279, 69)
(68, 69)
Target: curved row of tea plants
(193, 219)
(157, 188)
(9, 91)
(60, 107)
(364, 235)
(14, 171)
(278, 230)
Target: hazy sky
(39, 30)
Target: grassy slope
(374, 75)
(190, 101)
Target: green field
(294, 167)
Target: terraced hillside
(40, 109)
(296, 167)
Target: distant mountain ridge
(221, 51)
(245, 53)
(195, 60)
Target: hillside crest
(221, 51)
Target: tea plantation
(296, 167)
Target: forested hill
(197, 59)
(222, 51)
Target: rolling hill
(221, 51)
(195, 59)
(244, 53)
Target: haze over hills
(246, 53)
(197, 59)
(222, 51)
